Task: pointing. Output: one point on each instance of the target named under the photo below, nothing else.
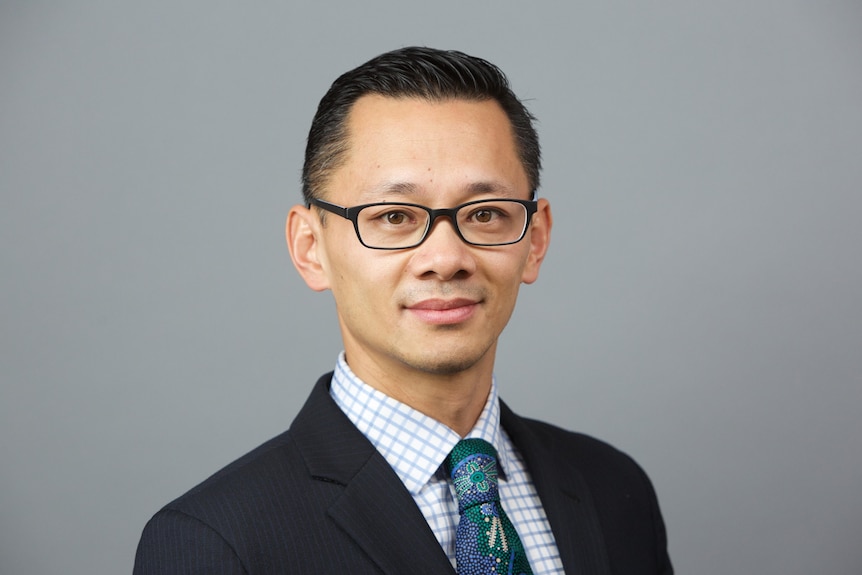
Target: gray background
(700, 307)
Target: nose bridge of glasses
(446, 213)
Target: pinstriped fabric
(171, 552)
(416, 447)
(274, 511)
(308, 502)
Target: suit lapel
(391, 529)
(565, 496)
(374, 509)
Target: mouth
(444, 311)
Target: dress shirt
(416, 447)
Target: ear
(540, 238)
(302, 232)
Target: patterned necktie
(486, 541)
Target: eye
(391, 216)
(395, 218)
(486, 215)
(483, 216)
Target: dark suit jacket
(320, 499)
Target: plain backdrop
(700, 308)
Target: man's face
(437, 308)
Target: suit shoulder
(594, 457)
(246, 479)
(206, 527)
(271, 469)
(605, 480)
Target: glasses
(397, 226)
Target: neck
(455, 400)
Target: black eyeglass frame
(352, 214)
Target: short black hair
(416, 72)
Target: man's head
(431, 303)
(424, 73)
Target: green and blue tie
(486, 541)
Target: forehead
(430, 145)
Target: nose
(443, 254)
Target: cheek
(508, 270)
(360, 281)
(505, 275)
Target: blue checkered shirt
(416, 446)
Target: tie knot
(472, 465)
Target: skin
(422, 324)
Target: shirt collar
(414, 444)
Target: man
(421, 217)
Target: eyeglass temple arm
(329, 207)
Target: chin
(445, 362)
(444, 367)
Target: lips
(444, 311)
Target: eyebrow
(397, 188)
(491, 187)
